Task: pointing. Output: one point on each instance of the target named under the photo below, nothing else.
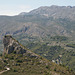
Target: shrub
(21, 55)
(6, 56)
(38, 63)
(14, 52)
(0, 66)
(11, 57)
(47, 66)
(17, 64)
(40, 57)
(54, 69)
(0, 54)
(5, 61)
(71, 70)
(15, 70)
(19, 60)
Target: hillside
(27, 62)
(44, 21)
(47, 31)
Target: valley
(47, 31)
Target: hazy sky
(13, 7)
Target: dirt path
(5, 70)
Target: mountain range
(54, 11)
(48, 31)
(53, 20)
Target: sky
(14, 7)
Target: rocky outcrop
(13, 46)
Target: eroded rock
(13, 46)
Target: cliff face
(13, 46)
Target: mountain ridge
(54, 11)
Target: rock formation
(13, 46)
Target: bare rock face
(13, 46)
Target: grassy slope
(53, 48)
(46, 25)
(25, 64)
(30, 66)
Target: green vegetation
(30, 66)
(71, 45)
(52, 38)
(59, 51)
(53, 48)
(59, 38)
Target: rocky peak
(54, 11)
(13, 46)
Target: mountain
(23, 13)
(19, 60)
(47, 31)
(55, 11)
(53, 20)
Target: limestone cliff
(13, 46)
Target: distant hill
(53, 20)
